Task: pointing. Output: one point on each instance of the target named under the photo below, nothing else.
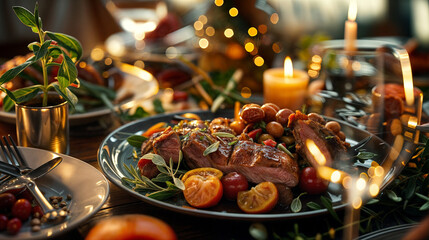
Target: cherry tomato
(13, 226)
(7, 200)
(203, 191)
(131, 226)
(259, 199)
(3, 222)
(21, 209)
(142, 162)
(203, 172)
(233, 183)
(270, 142)
(311, 183)
(180, 96)
(254, 134)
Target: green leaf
(392, 195)
(37, 18)
(282, 148)
(422, 196)
(163, 194)
(296, 204)
(25, 16)
(41, 52)
(314, 206)
(66, 94)
(12, 73)
(211, 149)
(424, 207)
(410, 189)
(161, 177)
(366, 155)
(179, 184)
(68, 42)
(155, 158)
(372, 201)
(223, 134)
(157, 105)
(136, 140)
(328, 205)
(27, 93)
(67, 72)
(33, 45)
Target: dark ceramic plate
(115, 151)
(391, 233)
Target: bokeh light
(228, 33)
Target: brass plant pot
(43, 127)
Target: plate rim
(71, 225)
(203, 212)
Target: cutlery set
(18, 175)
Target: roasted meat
(329, 144)
(261, 163)
(167, 145)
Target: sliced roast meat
(220, 125)
(147, 145)
(328, 142)
(167, 145)
(149, 170)
(198, 141)
(261, 163)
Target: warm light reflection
(360, 184)
(82, 64)
(252, 31)
(347, 182)
(143, 74)
(202, 19)
(108, 61)
(218, 2)
(228, 33)
(139, 64)
(357, 203)
(288, 71)
(249, 47)
(246, 92)
(259, 61)
(276, 47)
(314, 150)
(203, 43)
(274, 18)
(97, 54)
(407, 77)
(379, 171)
(198, 25)
(262, 28)
(336, 176)
(374, 189)
(210, 31)
(352, 10)
(233, 12)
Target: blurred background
(218, 35)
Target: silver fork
(13, 155)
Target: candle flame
(352, 10)
(288, 68)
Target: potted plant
(42, 108)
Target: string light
(249, 47)
(274, 18)
(259, 61)
(252, 32)
(233, 12)
(198, 25)
(210, 31)
(204, 43)
(228, 33)
(218, 2)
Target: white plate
(88, 187)
(138, 83)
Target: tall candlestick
(350, 32)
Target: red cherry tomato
(3, 222)
(142, 162)
(255, 134)
(233, 183)
(270, 142)
(7, 200)
(13, 226)
(22, 209)
(311, 183)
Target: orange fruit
(203, 172)
(259, 199)
(203, 191)
(131, 226)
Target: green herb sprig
(168, 176)
(48, 52)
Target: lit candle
(285, 87)
(350, 32)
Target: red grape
(13, 226)
(311, 183)
(22, 209)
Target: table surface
(84, 147)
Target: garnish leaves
(211, 149)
